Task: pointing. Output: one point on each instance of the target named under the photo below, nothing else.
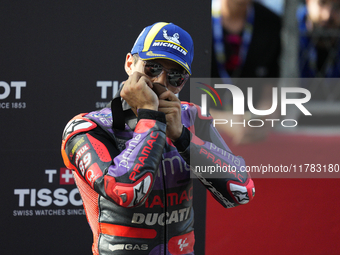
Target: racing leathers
(136, 183)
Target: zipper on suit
(165, 205)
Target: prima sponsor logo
(124, 162)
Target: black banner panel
(59, 59)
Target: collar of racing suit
(121, 112)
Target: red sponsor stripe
(144, 125)
(118, 230)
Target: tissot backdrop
(61, 58)
(68, 56)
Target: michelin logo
(174, 38)
(172, 42)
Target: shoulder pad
(77, 125)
